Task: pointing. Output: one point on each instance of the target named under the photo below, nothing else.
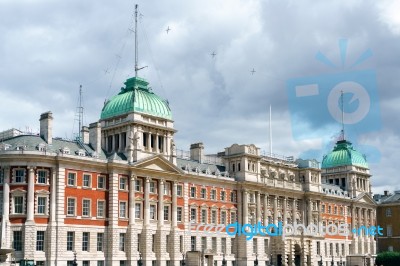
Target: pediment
(157, 163)
(365, 198)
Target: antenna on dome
(137, 68)
(341, 99)
(270, 130)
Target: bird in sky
(213, 54)
(253, 71)
(168, 29)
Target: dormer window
(41, 147)
(20, 147)
(81, 152)
(65, 150)
(4, 147)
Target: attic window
(4, 147)
(81, 152)
(65, 150)
(41, 147)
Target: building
(123, 193)
(388, 216)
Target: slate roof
(395, 198)
(203, 168)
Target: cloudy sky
(49, 48)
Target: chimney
(386, 192)
(95, 136)
(85, 134)
(46, 127)
(196, 152)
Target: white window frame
(136, 210)
(46, 200)
(204, 215)
(14, 176)
(203, 195)
(104, 182)
(122, 211)
(86, 200)
(223, 215)
(167, 188)
(15, 194)
(99, 203)
(89, 185)
(74, 199)
(153, 187)
(153, 214)
(123, 183)
(213, 194)
(122, 242)
(388, 212)
(138, 184)
(193, 192)
(179, 213)
(46, 176)
(214, 218)
(167, 213)
(74, 179)
(87, 248)
(193, 215)
(41, 240)
(179, 190)
(223, 195)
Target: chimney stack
(95, 136)
(196, 152)
(85, 134)
(46, 127)
(386, 192)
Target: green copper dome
(344, 154)
(136, 97)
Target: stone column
(160, 203)
(132, 200)
(294, 212)
(146, 206)
(258, 206)
(310, 210)
(149, 141)
(6, 208)
(245, 207)
(30, 206)
(284, 218)
(239, 206)
(276, 209)
(174, 205)
(52, 229)
(265, 209)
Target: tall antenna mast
(80, 113)
(270, 130)
(343, 138)
(136, 41)
(137, 68)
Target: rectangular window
(40, 240)
(138, 210)
(193, 192)
(17, 240)
(203, 243)
(41, 205)
(85, 241)
(101, 182)
(193, 215)
(388, 212)
(223, 195)
(204, 216)
(233, 217)
(122, 238)
(318, 248)
(19, 175)
(70, 241)
(266, 245)
(71, 207)
(214, 244)
(323, 208)
(152, 187)
(255, 248)
(192, 243)
(138, 185)
(70, 263)
(329, 209)
(233, 196)
(214, 217)
(179, 190)
(181, 243)
(100, 208)
(167, 188)
(100, 241)
(39, 263)
(86, 208)
(203, 193)
(335, 210)
(223, 217)
(179, 214)
(87, 180)
(213, 194)
(18, 204)
(100, 263)
(152, 212)
(122, 183)
(85, 263)
(223, 245)
(389, 231)
(166, 213)
(343, 250)
(71, 179)
(122, 209)
(41, 176)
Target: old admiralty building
(122, 194)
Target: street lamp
(270, 261)
(140, 262)
(75, 263)
(223, 259)
(256, 261)
(183, 259)
(320, 261)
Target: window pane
(40, 240)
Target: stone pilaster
(258, 206)
(30, 206)
(52, 227)
(276, 209)
(245, 207)
(112, 230)
(5, 227)
(284, 210)
(265, 209)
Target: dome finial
(342, 133)
(137, 68)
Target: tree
(388, 258)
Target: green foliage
(388, 258)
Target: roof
(344, 154)
(72, 147)
(203, 168)
(395, 198)
(136, 97)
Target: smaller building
(388, 217)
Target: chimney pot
(196, 152)
(46, 127)
(95, 136)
